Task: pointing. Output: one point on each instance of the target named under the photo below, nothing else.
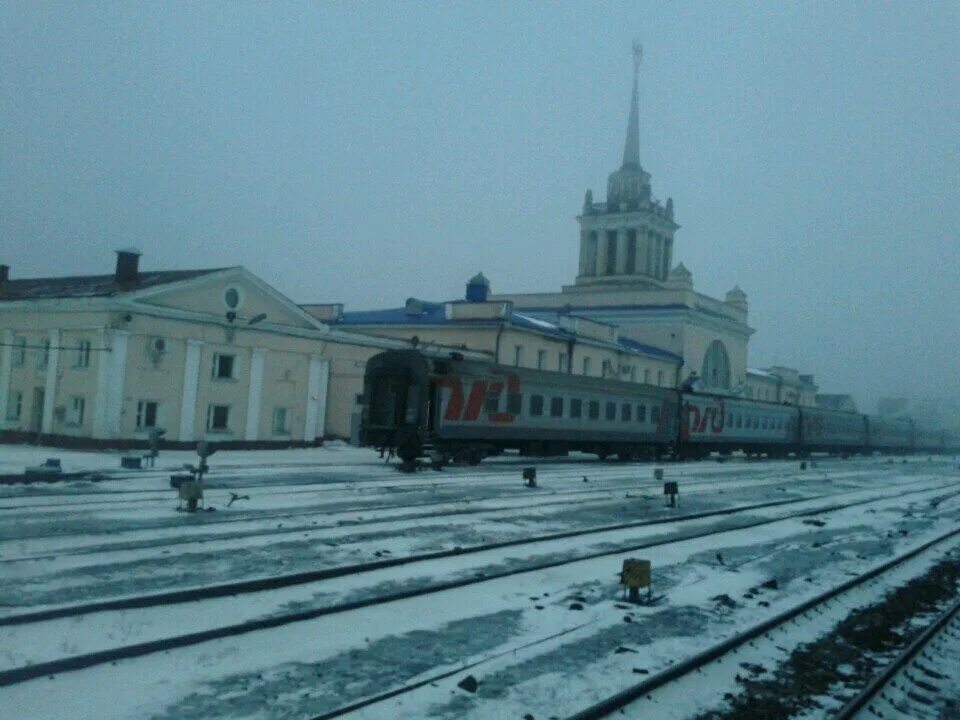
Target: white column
(317, 379)
(119, 341)
(255, 393)
(622, 240)
(6, 362)
(50, 388)
(111, 375)
(188, 399)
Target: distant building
(211, 353)
(781, 385)
(565, 343)
(625, 279)
(837, 402)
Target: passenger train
(453, 409)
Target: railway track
(86, 660)
(659, 690)
(921, 683)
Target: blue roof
(434, 313)
(649, 350)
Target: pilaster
(50, 387)
(6, 363)
(255, 393)
(188, 399)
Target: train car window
(655, 413)
(556, 407)
(626, 412)
(576, 407)
(641, 413)
(611, 413)
(594, 409)
(536, 405)
(492, 403)
(514, 403)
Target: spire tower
(631, 148)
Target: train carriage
(890, 435)
(464, 409)
(717, 423)
(832, 431)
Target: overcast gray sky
(366, 152)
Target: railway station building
(626, 278)
(214, 354)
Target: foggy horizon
(367, 153)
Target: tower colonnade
(625, 250)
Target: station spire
(631, 148)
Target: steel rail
(275, 582)
(621, 699)
(881, 680)
(553, 498)
(79, 662)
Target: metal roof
(86, 286)
(434, 313)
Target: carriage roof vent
(414, 306)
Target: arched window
(716, 366)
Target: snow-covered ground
(540, 624)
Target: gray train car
(890, 435)
(717, 423)
(832, 431)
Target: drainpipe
(496, 348)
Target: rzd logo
(697, 422)
(468, 410)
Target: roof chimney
(128, 266)
(4, 273)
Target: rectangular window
(19, 351)
(83, 354)
(14, 405)
(594, 409)
(739, 421)
(75, 414)
(146, 414)
(556, 407)
(562, 362)
(576, 407)
(729, 420)
(536, 405)
(611, 411)
(43, 357)
(626, 412)
(218, 418)
(654, 413)
(541, 359)
(223, 366)
(514, 403)
(631, 373)
(518, 355)
(280, 426)
(659, 378)
(586, 366)
(492, 403)
(641, 413)
(646, 376)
